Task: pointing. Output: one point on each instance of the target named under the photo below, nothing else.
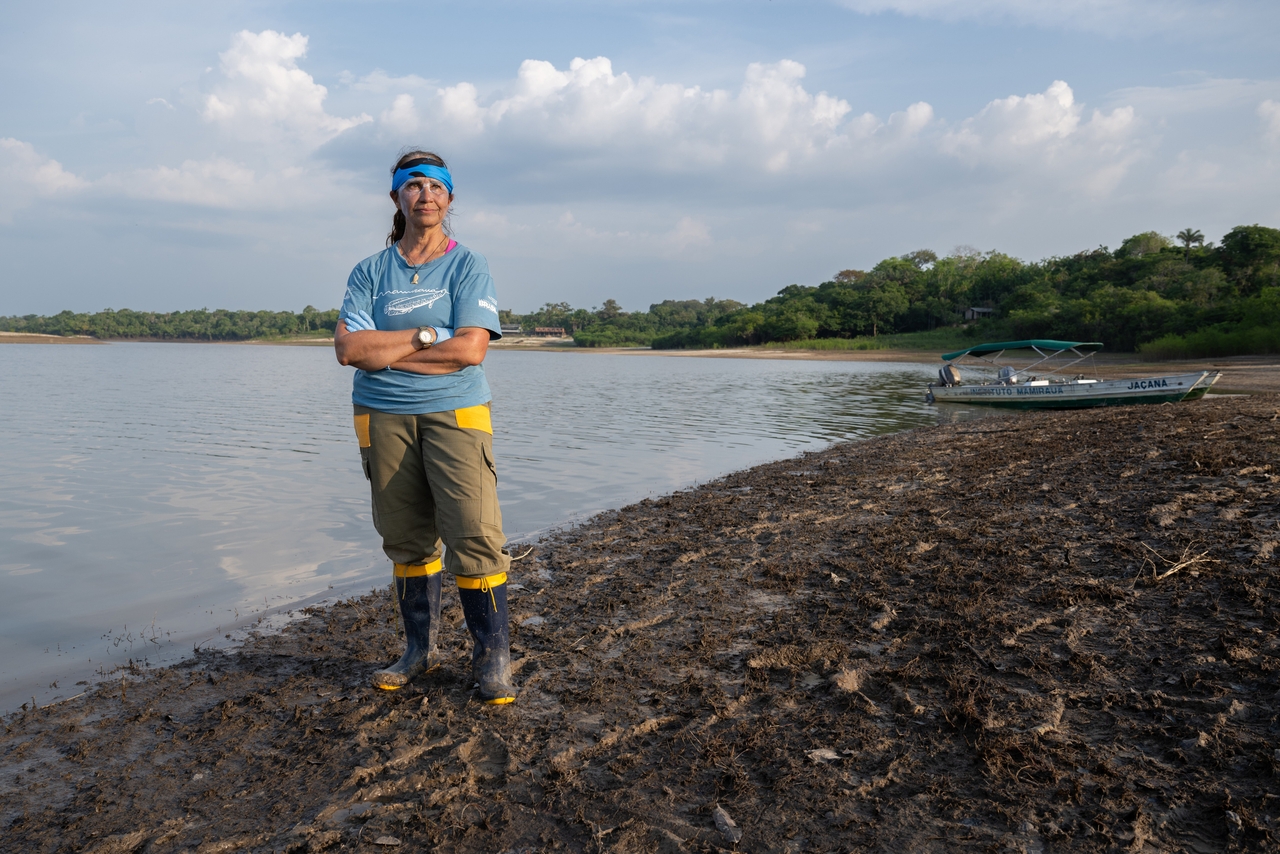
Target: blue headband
(421, 169)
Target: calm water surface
(160, 496)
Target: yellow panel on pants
(362, 430)
(475, 418)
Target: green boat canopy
(983, 349)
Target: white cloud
(216, 182)
(26, 176)
(1199, 98)
(580, 129)
(1190, 173)
(1269, 112)
(689, 232)
(913, 120)
(1019, 121)
(379, 82)
(570, 227)
(587, 108)
(1045, 131)
(490, 224)
(590, 133)
(264, 95)
(594, 136)
(1112, 125)
(666, 187)
(1045, 124)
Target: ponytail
(397, 227)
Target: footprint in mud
(485, 756)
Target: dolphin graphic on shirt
(404, 305)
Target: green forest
(1165, 296)
(1169, 297)
(197, 325)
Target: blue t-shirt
(453, 291)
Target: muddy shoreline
(1040, 632)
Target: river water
(156, 497)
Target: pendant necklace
(414, 280)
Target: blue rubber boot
(418, 592)
(484, 604)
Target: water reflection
(581, 432)
(159, 496)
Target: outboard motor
(949, 375)
(1008, 375)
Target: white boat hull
(1076, 394)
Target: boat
(1045, 384)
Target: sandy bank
(1050, 631)
(40, 338)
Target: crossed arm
(373, 350)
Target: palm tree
(1189, 236)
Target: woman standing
(416, 321)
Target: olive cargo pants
(433, 478)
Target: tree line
(1167, 296)
(1170, 296)
(196, 325)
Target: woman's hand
(358, 344)
(370, 349)
(359, 322)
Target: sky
(161, 156)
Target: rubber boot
(418, 591)
(484, 604)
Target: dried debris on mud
(1054, 631)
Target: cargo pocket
(489, 512)
(464, 518)
(472, 508)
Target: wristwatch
(425, 338)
